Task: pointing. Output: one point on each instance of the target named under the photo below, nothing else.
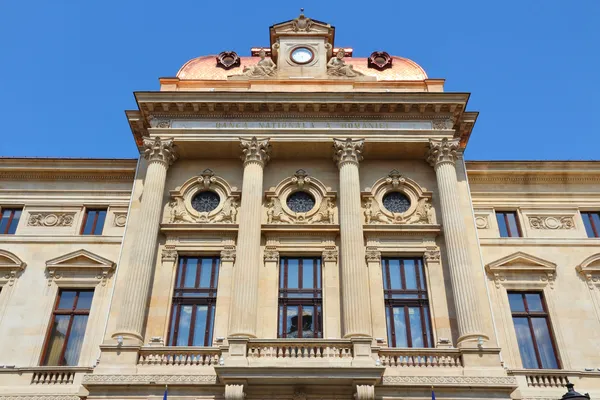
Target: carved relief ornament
(255, 150)
(347, 150)
(330, 254)
(120, 218)
(419, 210)
(551, 222)
(590, 270)
(226, 201)
(51, 219)
(372, 254)
(323, 211)
(432, 254)
(10, 266)
(161, 150)
(443, 151)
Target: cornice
(470, 381)
(527, 178)
(158, 379)
(66, 176)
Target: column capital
(228, 253)
(372, 254)
(255, 150)
(161, 150)
(271, 254)
(432, 254)
(347, 150)
(442, 151)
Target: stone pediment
(81, 261)
(10, 266)
(590, 269)
(302, 25)
(521, 263)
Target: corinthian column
(354, 274)
(442, 156)
(244, 301)
(160, 154)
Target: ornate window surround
(324, 211)
(180, 207)
(420, 211)
(79, 266)
(524, 272)
(11, 267)
(590, 270)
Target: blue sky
(68, 68)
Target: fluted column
(354, 274)
(442, 156)
(244, 301)
(160, 154)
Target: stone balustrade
(299, 349)
(53, 375)
(179, 356)
(416, 357)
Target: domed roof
(205, 68)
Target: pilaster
(438, 305)
(225, 283)
(331, 294)
(378, 319)
(354, 275)
(269, 293)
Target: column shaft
(244, 300)
(139, 270)
(468, 314)
(354, 274)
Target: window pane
(307, 274)
(416, 329)
(211, 324)
(85, 300)
(319, 322)
(172, 328)
(75, 339)
(185, 318)
(292, 322)
(544, 342)
(281, 317)
(281, 273)
(516, 302)
(216, 279)
(58, 337)
(318, 274)
(525, 343)
(400, 327)
(389, 319)
(427, 327)
(410, 275)
(200, 326)
(534, 302)
(205, 272)
(395, 281)
(308, 328)
(190, 273)
(502, 224)
(89, 222)
(292, 273)
(4, 221)
(512, 223)
(100, 222)
(182, 260)
(586, 222)
(595, 219)
(421, 275)
(15, 221)
(67, 299)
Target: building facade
(300, 224)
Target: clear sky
(68, 68)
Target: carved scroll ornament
(51, 219)
(551, 222)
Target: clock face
(302, 55)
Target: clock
(302, 55)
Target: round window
(300, 202)
(396, 202)
(205, 201)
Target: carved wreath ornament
(204, 199)
(396, 199)
(301, 199)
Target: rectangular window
(300, 298)
(93, 222)
(532, 326)
(591, 221)
(406, 303)
(69, 321)
(194, 300)
(9, 221)
(508, 224)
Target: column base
(127, 338)
(117, 359)
(362, 353)
(472, 340)
(235, 353)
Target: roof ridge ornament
(302, 24)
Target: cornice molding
(506, 381)
(43, 176)
(159, 379)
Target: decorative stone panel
(551, 222)
(51, 219)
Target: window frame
(11, 218)
(595, 229)
(179, 299)
(72, 313)
(421, 301)
(316, 301)
(507, 224)
(85, 219)
(535, 314)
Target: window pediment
(10, 266)
(522, 266)
(590, 269)
(79, 263)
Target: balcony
(178, 356)
(420, 358)
(302, 351)
(540, 379)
